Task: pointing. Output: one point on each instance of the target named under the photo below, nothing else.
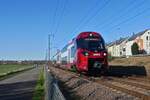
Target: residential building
(111, 48)
(128, 47)
(122, 47)
(117, 48)
(143, 41)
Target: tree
(135, 49)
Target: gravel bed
(78, 88)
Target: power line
(120, 11)
(49, 51)
(52, 29)
(92, 16)
(54, 17)
(122, 15)
(49, 46)
(61, 16)
(131, 18)
(83, 21)
(83, 18)
(46, 56)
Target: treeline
(23, 62)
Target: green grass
(110, 58)
(73, 69)
(39, 89)
(7, 68)
(7, 71)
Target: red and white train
(86, 53)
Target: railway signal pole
(46, 56)
(49, 42)
(49, 46)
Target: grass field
(12, 67)
(140, 61)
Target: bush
(110, 58)
(135, 49)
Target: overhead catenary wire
(54, 17)
(85, 19)
(129, 9)
(61, 16)
(52, 28)
(130, 18)
(118, 13)
(122, 22)
(84, 22)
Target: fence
(128, 56)
(140, 55)
(51, 87)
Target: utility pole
(49, 43)
(49, 46)
(46, 56)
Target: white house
(128, 48)
(117, 48)
(143, 41)
(111, 48)
(146, 41)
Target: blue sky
(25, 24)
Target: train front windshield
(91, 44)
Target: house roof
(117, 42)
(120, 41)
(134, 36)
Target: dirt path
(19, 87)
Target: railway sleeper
(133, 83)
(143, 96)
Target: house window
(124, 49)
(147, 38)
(120, 53)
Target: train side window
(72, 51)
(64, 60)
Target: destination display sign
(92, 39)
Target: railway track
(139, 90)
(126, 87)
(140, 79)
(139, 84)
(131, 86)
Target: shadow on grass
(17, 91)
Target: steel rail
(119, 86)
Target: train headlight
(105, 54)
(85, 53)
(91, 34)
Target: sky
(25, 24)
